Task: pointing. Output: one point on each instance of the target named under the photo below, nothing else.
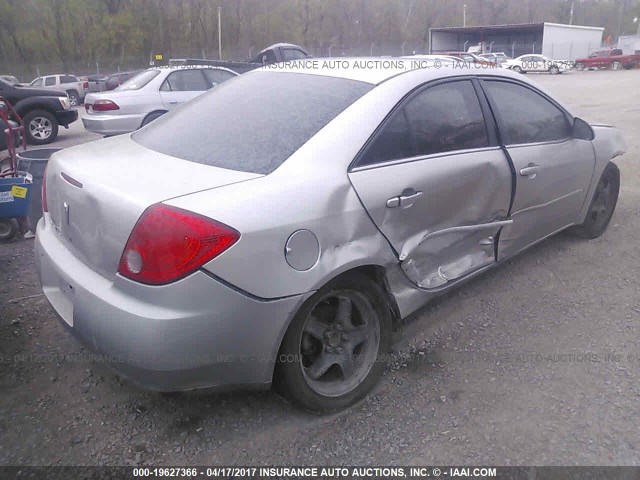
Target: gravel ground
(536, 362)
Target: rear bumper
(112, 124)
(195, 333)
(66, 117)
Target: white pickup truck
(75, 88)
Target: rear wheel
(554, 70)
(41, 127)
(616, 65)
(602, 206)
(333, 352)
(9, 228)
(150, 118)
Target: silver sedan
(147, 96)
(281, 241)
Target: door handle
(530, 170)
(405, 200)
(173, 102)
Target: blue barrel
(35, 162)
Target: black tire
(368, 323)
(602, 205)
(41, 127)
(554, 70)
(151, 117)
(517, 69)
(579, 66)
(74, 98)
(9, 228)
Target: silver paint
(242, 301)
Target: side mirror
(582, 130)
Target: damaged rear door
(436, 184)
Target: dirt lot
(537, 362)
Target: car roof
(374, 70)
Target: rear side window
(439, 119)
(68, 79)
(217, 76)
(185, 81)
(527, 116)
(289, 54)
(253, 122)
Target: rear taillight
(45, 206)
(104, 106)
(85, 85)
(168, 243)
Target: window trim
(484, 109)
(500, 121)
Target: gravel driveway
(536, 362)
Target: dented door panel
(450, 229)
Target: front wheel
(517, 69)
(333, 353)
(554, 70)
(602, 204)
(616, 66)
(579, 66)
(41, 127)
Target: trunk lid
(96, 192)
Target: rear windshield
(253, 122)
(139, 80)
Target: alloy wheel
(339, 343)
(40, 128)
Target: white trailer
(569, 42)
(629, 44)
(555, 40)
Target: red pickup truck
(613, 58)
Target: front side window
(527, 116)
(136, 82)
(36, 83)
(439, 119)
(185, 81)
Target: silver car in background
(282, 241)
(147, 96)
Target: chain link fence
(26, 72)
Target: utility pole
(464, 15)
(219, 33)
(573, 4)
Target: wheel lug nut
(345, 337)
(328, 349)
(338, 350)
